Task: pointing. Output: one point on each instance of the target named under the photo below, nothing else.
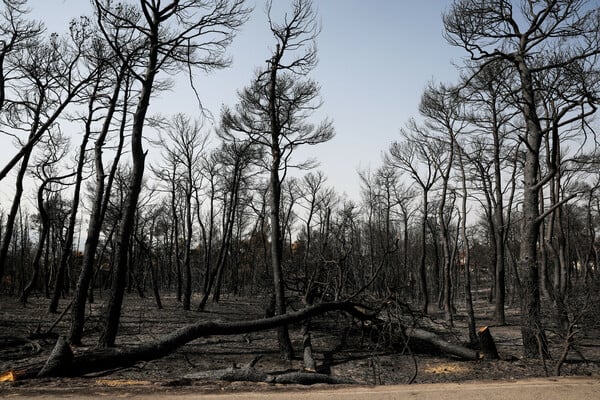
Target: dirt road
(546, 389)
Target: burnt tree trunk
(441, 344)
(488, 346)
(99, 206)
(285, 345)
(112, 314)
(45, 229)
(14, 209)
(67, 249)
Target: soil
(341, 346)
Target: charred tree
(166, 34)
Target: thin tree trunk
(67, 250)
(231, 214)
(307, 356)
(112, 313)
(14, 209)
(187, 258)
(175, 216)
(467, 256)
(99, 206)
(285, 345)
(44, 231)
(499, 232)
(531, 327)
(422, 265)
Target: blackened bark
(175, 216)
(499, 230)
(466, 255)
(45, 229)
(112, 313)
(187, 258)
(232, 206)
(285, 345)
(100, 202)
(487, 343)
(422, 265)
(68, 244)
(12, 215)
(531, 326)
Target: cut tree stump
(488, 346)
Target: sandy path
(546, 389)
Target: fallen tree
(248, 373)
(441, 344)
(62, 362)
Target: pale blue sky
(375, 58)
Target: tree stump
(488, 346)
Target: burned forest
(211, 249)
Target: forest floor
(343, 347)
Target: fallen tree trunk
(441, 344)
(97, 360)
(250, 374)
(309, 378)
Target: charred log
(250, 374)
(441, 344)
